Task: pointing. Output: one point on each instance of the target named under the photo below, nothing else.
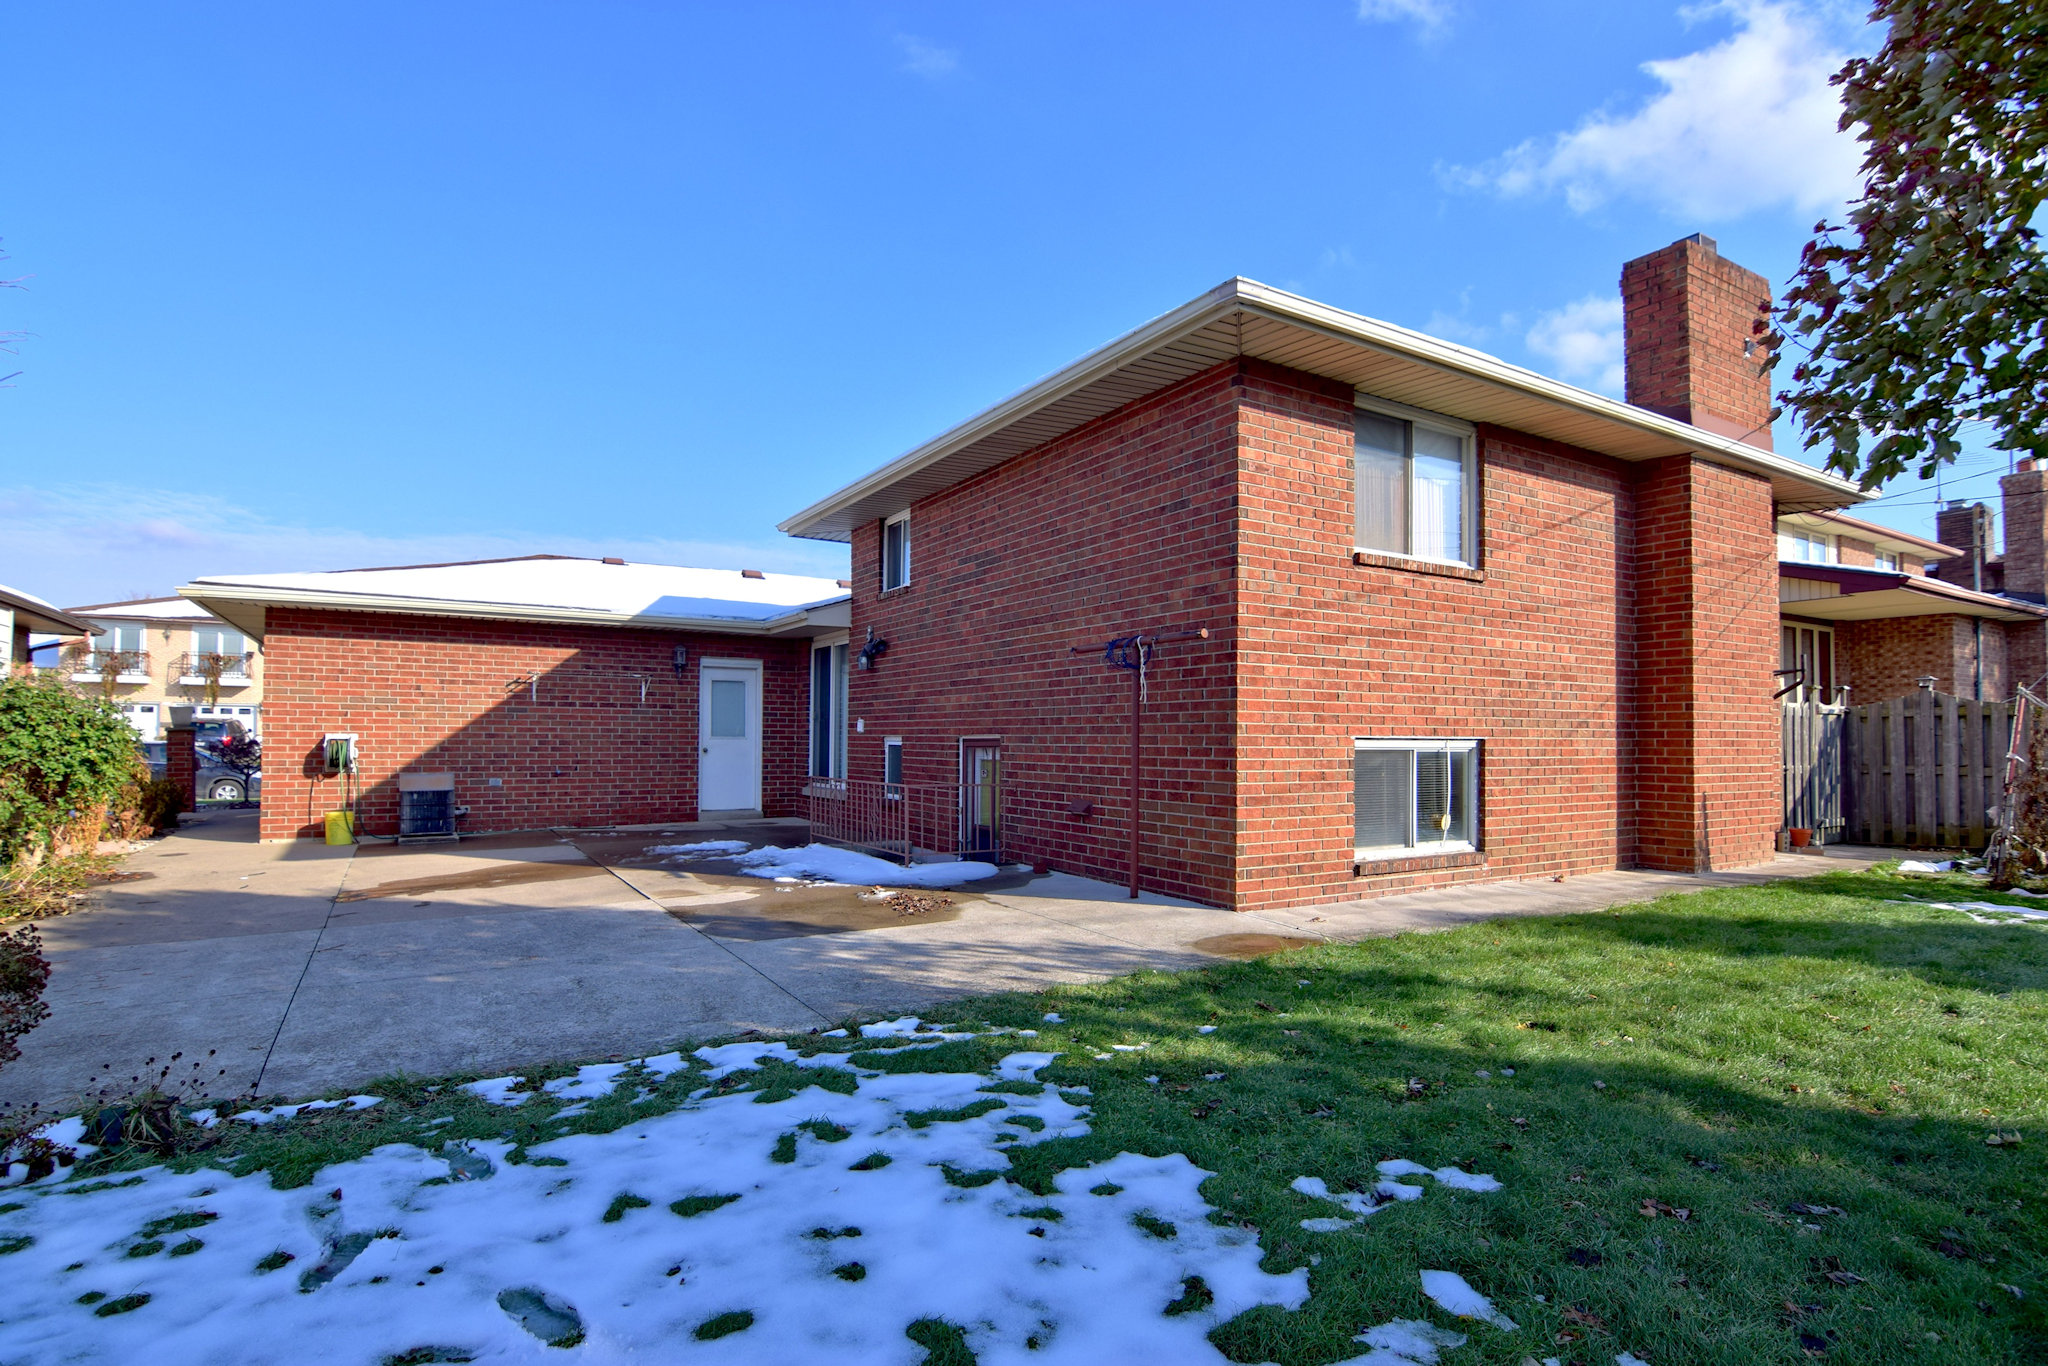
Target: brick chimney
(2026, 533)
(1693, 350)
(1967, 527)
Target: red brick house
(1465, 621)
(1869, 612)
(545, 690)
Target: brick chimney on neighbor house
(1967, 527)
(1694, 352)
(2025, 491)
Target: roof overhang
(43, 619)
(1872, 595)
(1883, 537)
(1245, 318)
(246, 608)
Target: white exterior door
(729, 736)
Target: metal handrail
(902, 821)
(117, 662)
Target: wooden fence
(1924, 770)
(1813, 767)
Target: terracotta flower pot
(1801, 838)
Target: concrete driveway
(301, 968)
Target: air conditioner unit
(426, 806)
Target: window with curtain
(1414, 796)
(828, 711)
(1415, 484)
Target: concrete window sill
(1418, 863)
(1373, 559)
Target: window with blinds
(1414, 483)
(1414, 796)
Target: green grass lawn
(1729, 1054)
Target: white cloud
(1583, 342)
(102, 543)
(1748, 123)
(929, 60)
(1431, 16)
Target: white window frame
(1897, 564)
(1416, 847)
(892, 746)
(836, 649)
(1468, 512)
(1799, 546)
(901, 519)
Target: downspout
(1979, 659)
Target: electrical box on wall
(338, 752)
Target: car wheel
(226, 790)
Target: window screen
(1414, 794)
(1382, 782)
(1413, 485)
(895, 553)
(892, 761)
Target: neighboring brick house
(1870, 614)
(553, 691)
(1465, 621)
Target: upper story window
(1415, 482)
(1799, 546)
(896, 551)
(217, 640)
(1887, 559)
(121, 637)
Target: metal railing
(205, 664)
(902, 821)
(106, 663)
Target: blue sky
(316, 286)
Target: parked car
(217, 783)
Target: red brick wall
(1125, 524)
(1885, 659)
(1227, 501)
(1688, 314)
(434, 694)
(1530, 656)
(1705, 760)
(181, 763)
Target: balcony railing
(94, 666)
(206, 666)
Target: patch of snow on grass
(1983, 912)
(1448, 1176)
(891, 1029)
(1454, 1295)
(663, 1064)
(1404, 1342)
(1913, 865)
(271, 1113)
(497, 1090)
(589, 1083)
(1023, 1066)
(394, 1258)
(824, 863)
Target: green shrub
(63, 758)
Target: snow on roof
(146, 609)
(544, 584)
(38, 614)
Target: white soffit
(1244, 318)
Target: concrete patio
(304, 967)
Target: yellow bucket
(341, 827)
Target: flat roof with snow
(545, 588)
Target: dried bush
(24, 972)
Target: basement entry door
(729, 736)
